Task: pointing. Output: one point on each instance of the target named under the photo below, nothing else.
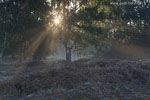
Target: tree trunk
(68, 54)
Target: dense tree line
(27, 28)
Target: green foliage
(17, 19)
(83, 21)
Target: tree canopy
(28, 28)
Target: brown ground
(84, 79)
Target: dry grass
(39, 76)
